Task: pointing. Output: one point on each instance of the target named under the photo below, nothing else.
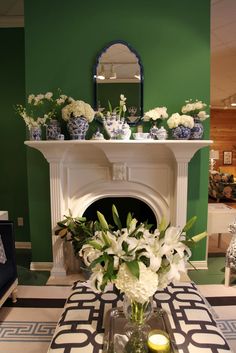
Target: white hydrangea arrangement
(196, 108)
(77, 108)
(135, 259)
(176, 120)
(155, 114)
(41, 108)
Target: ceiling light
(137, 75)
(233, 101)
(101, 73)
(112, 73)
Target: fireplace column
(56, 199)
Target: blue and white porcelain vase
(162, 133)
(197, 130)
(77, 127)
(181, 133)
(53, 130)
(35, 133)
(153, 132)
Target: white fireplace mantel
(83, 171)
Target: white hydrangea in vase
(156, 115)
(180, 126)
(78, 115)
(197, 109)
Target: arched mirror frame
(118, 41)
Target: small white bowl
(141, 135)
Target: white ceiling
(223, 43)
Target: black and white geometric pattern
(81, 324)
(228, 328)
(24, 331)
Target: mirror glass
(118, 70)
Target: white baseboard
(22, 244)
(41, 266)
(199, 265)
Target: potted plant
(156, 115)
(197, 111)
(78, 231)
(41, 110)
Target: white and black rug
(223, 306)
(28, 325)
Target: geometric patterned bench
(81, 326)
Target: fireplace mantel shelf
(118, 150)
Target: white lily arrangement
(41, 108)
(176, 120)
(155, 114)
(78, 108)
(135, 259)
(119, 110)
(196, 108)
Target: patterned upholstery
(81, 329)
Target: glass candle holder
(158, 341)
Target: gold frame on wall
(227, 157)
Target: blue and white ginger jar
(77, 127)
(181, 133)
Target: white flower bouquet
(155, 114)
(78, 108)
(196, 109)
(176, 120)
(41, 108)
(135, 259)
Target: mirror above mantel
(118, 70)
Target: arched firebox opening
(139, 209)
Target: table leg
(219, 240)
(227, 276)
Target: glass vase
(137, 328)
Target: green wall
(62, 41)
(13, 171)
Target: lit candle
(158, 341)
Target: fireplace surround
(82, 172)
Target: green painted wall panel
(13, 172)
(63, 39)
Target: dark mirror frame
(141, 73)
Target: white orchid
(41, 108)
(203, 115)
(196, 108)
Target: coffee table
(81, 326)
